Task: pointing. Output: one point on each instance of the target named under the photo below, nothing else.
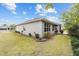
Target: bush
(74, 30)
(61, 31)
(37, 36)
(76, 52)
(30, 34)
(47, 35)
(75, 45)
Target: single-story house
(39, 26)
(4, 27)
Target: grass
(16, 44)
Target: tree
(4, 24)
(71, 16)
(71, 23)
(12, 26)
(48, 6)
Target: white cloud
(51, 10)
(53, 18)
(38, 7)
(4, 21)
(40, 10)
(43, 12)
(24, 13)
(14, 12)
(32, 18)
(7, 20)
(11, 7)
(26, 18)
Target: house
(4, 27)
(39, 26)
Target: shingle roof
(36, 20)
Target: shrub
(47, 35)
(61, 31)
(75, 44)
(30, 34)
(76, 51)
(37, 36)
(74, 30)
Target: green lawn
(16, 44)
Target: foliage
(47, 35)
(76, 52)
(71, 19)
(71, 16)
(48, 6)
(12, 27)
(30, 34)
(74, 30)
(37, 36)
(71, 23)
(75, 45)
(4, 24)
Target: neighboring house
(4, 27)
(39, 26)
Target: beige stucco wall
(31, 28)
(37, 27)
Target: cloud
(11, 7)
(14, 12)
(32, 18)
(42, 14)
(26, 18)
(4, 21)
(51, 10)
(24, 13)
(42, 11)
(53, 18)
(39, 7)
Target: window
(53, 27)
(46, 27)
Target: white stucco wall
(31, 28)
(19, 28)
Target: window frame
(46, 27)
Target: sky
(15, 13)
